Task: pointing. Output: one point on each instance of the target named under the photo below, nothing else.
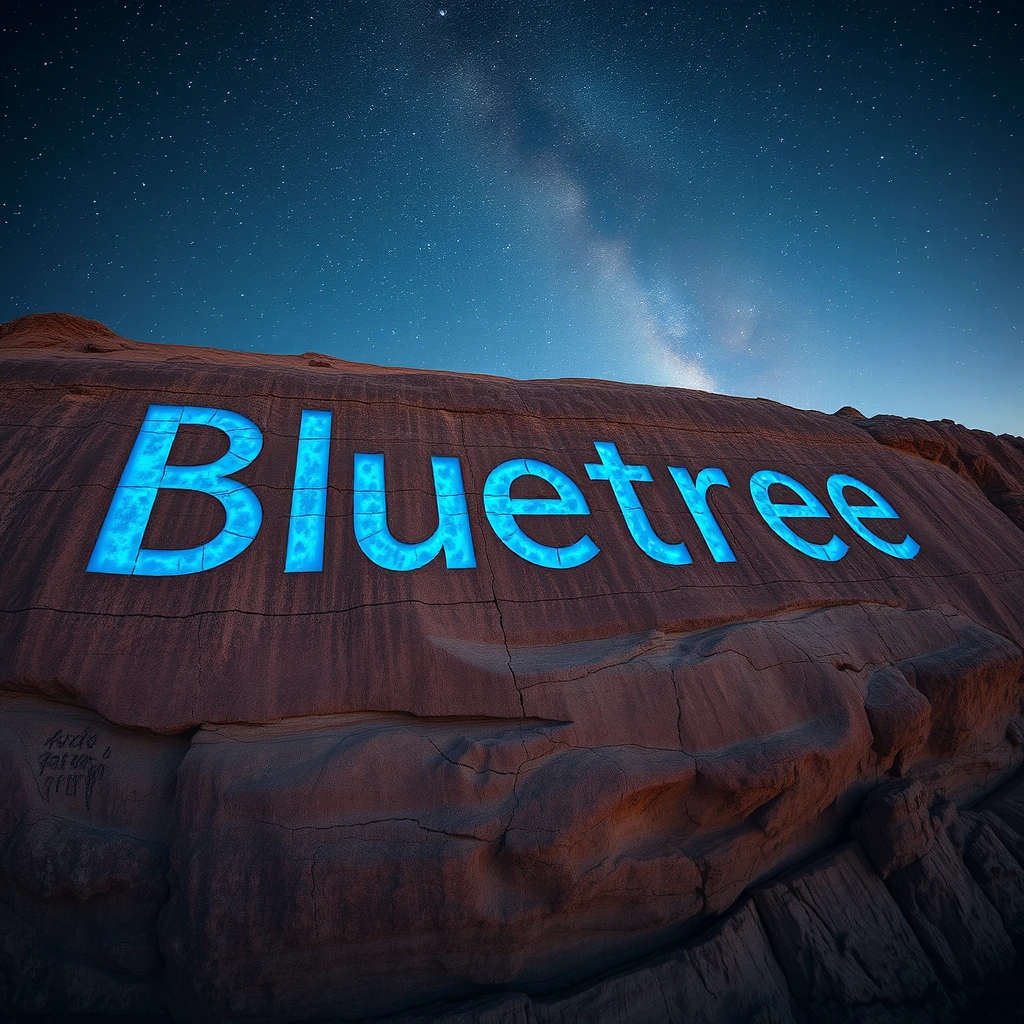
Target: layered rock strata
(627, 790)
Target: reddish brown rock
(731, 974)
(230, 644)
(845, 947)
(505, 1009)
(1007, 804)
(961, 930)
(993, 463)
(896, 825)
(912, 848)
(84, 841)
(993, 867)
(361, 792)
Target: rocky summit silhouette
(338, 692)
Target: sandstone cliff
(775, 787)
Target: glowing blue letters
(371, 518)
(305, 551)
(622, 477)
(811, 508)
(696, 497)
(501, 510)
(119, 548)
(853, 514)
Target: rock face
(632, 782)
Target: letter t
(622, 477)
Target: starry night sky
(821, 204)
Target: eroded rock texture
(628, 791)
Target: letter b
(119, 546)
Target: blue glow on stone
(119, 548)
(371, 518)
(622, 477)
(853, 514)
(305, 547)
(811, 508)
(501, 511)
(695, 496)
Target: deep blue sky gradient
(822, 204)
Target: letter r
(119, 545)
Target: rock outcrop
(775, 787)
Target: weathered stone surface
(41, 977)
(919, 849)
(993, 867)
(83, 857)
(1008, 804)
(359, 792)
(1012, 840)
(847, 951)
(509, 838)
(899, 714)
(486, 848)
(954, 678)
(229, 644)
(504, 1009)
(730, 975)
(896, 826)
(957, 925)
(994, 464)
